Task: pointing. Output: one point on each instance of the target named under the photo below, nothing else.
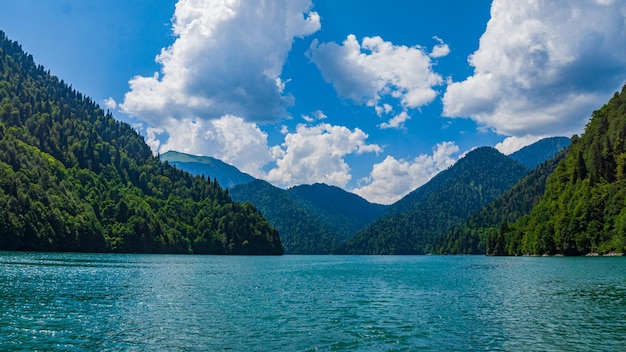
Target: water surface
(59, 301)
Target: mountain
(583, 209)
(411, 225)
(342, 212)
(311, 219)
(470, 238)
(300, 231)
(72, 178)
(540, 151)
(227, 175)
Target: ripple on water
(126, 302)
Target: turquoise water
(297, 303)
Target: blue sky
(375, 97)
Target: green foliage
(582, 209)
(342, 212)
(535, 154)
(484, 226)
(311, 219)
(300, 232)
(72, 178)
(414, 224)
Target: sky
(375, 97)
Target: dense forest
(342, 212)
(471, 237)
(583, 208)
(319, 219)
(412, 225)
(533, 155)
(72, 178)
(311, 219)
(300, 231)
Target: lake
(61, 301)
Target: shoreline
(609, 254)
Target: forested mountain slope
(432, 210)
(583, 209)
(342, 212)
(535, 154)
(227, 175)
(72, 178)
(322, 211)
(470, 238)
(300, 231)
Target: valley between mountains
(72, 178)
(322, 219)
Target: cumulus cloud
(110, 103)
(512, 144)
(152, 138)
(317, 154)
(392, 179)
(226, 60)
(383, 109)
(233, 140)
(396, 121)
(440, 50)
(316, 115)
(374, 69)
(542, 67)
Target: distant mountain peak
(415, 222)
(72, 178)
(226, 175)
(537, 153)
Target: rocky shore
(609, 254)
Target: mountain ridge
(341, 211)
(324, 213)
(583, 209)
(300, 231)
(227, 175)
(534, 154)
(436, 207)
(72, 178)
(470, 238)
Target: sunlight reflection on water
(160, 302)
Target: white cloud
(316, 154)
(440, 50)
(220, 77)
(229, 138)
(542, 67)
(153, 141)
(227, 59)
(316, 115)
(396, 122)
(374, 69)
(392, 179)
(384, 109)
(512, 144)
(109, 103)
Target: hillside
(226, 175)
(412, 224)
(470, 238)
(301, 233)
(583, 208)
(342, 212)
(302, 214)
(540, 151)
(72, 178)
